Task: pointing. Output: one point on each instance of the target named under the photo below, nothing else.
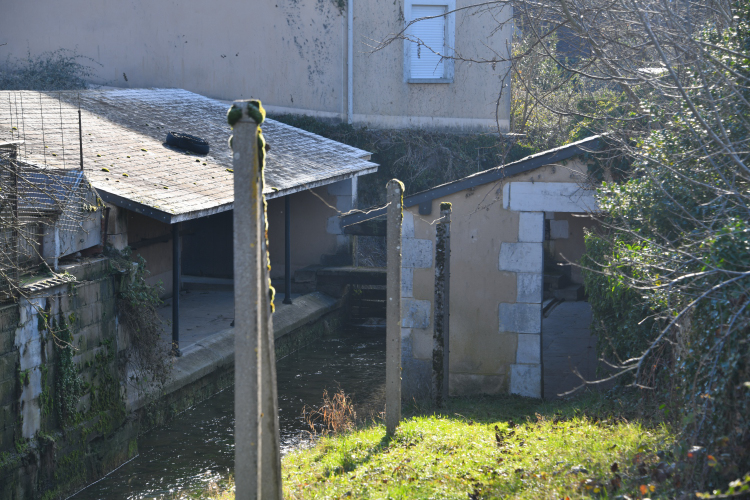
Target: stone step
(571, 293)
(556, 281)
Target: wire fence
(42, 186)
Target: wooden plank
(367, 228)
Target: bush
(668, 275)
(61, 69)
(420, 159)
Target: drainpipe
(287, 250)
(176, 290)
(349, 61)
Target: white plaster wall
(383, 99)
(291, 54)
(285, 52)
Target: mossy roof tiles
(126, 160)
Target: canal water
(197, 447)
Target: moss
(256, 112)
(233, 116)
(46, 401)
(132, 448)
(43, 321)
(9, 461)
(23, 377)
(22, 446)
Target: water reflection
(198, 446)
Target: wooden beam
(367, 228)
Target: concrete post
(441, 333)
(270, 465)
(252, 314)
(395, 198)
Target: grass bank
(493, 447)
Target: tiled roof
(424, 198)
(126, 160)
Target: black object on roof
(187, 142)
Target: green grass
(545, 450)
(487, 448)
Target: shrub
(61, 69)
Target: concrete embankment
(207, 366)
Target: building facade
(518, 319)
(322, 58)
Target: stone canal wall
(67, 415)
(63, 419)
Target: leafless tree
(668, 82)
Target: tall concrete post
(395, 198)
(253, 383)
(441, 333)
(270, 469)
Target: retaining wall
(67, 415)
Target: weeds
(493, 447)
(335, 416)
(137, 303)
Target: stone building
(518, 321)
(158, 195)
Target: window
(428, 42)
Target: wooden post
(176, 270)
(395, 198)
(254, 379)
(440, 339)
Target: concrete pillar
(257, 467)
(395, 199)
(441, 322)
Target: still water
(197, 447)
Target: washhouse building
(518, 318)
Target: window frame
(450, 37)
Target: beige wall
(291, 54)
(158, 256)
(285, 52)
(309, 238)
(482, 355)
(383, 99)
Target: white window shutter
(428, 37)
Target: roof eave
(169, 218)
(494, 174)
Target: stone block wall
(523, 316)
(63, 417)
(496, 283)
(9, 359)
(416, 306)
